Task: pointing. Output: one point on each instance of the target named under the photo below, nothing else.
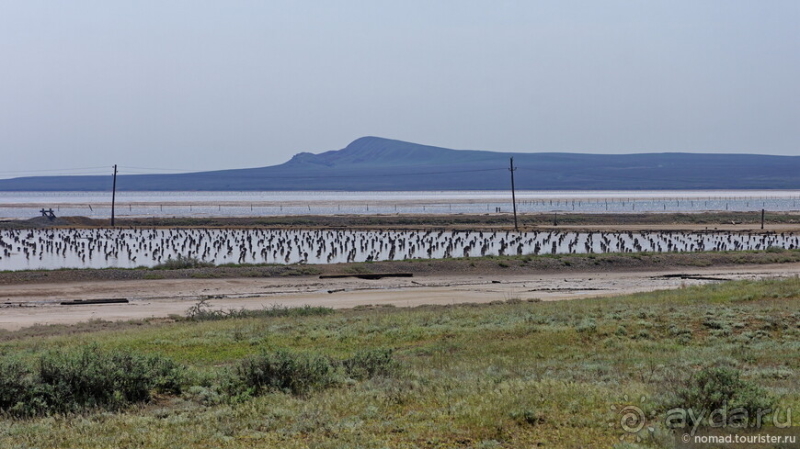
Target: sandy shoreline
(24, 305)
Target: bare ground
(27, 304)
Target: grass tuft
(203, 311)
(182, 262)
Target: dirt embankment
(27, 304)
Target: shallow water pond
(129, 248)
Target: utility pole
(113, 195)
(513, 195)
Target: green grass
(509, 374)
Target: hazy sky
(202, 85)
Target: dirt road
(24, 305)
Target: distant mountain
(373, 163)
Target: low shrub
(370, 363)
(717, 389)
(16, 384)
(284, 371)
(298, 373)
(85, 379)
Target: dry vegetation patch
(508, 374)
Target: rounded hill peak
(378, 150)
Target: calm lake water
(23, 205)
(128, 248)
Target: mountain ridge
(369, 149)
(375, 163)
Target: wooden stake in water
(762, 218)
